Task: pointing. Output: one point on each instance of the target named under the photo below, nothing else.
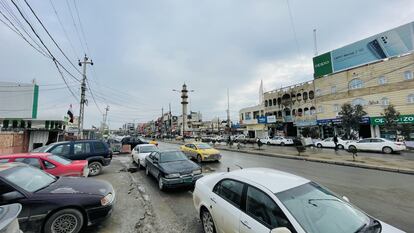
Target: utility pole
(169, 120)
(315, 44)
(162, 121)
(105, 116)
(83, 100)
(228, 112)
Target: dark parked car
(172, 169)
(133, 141)
(54, 204)
(95, 151)
(8, 218)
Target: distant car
(261, 200)
(96, 152)
(153, 142)
(277, 140)
(172, 169)
(140, 152)
(377, 144)
(133, 141)
(115, 145)
(200, 152)
(52, 204)
(329, 143)
(52, 164)
(8, 218)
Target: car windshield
(41, 149)
(203, 146)
(29, 178)
(60, 160)
(318, 210)
(148, 149)
(172, 156)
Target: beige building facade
(374, 86)
(249, 121)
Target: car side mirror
(345, 198)
(11, 196)
(280, 230)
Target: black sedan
(54, 204)
(172, 169)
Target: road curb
(340, 163)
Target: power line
(80, 25)
(63, 29)
(74, 25)
(31, 9)
(93, 96)
(293, 27)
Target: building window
(294, 112)
(336, 107)
(265, 103)
(312, 111)
(408, 75)
(359, 101)
(274, 102)
(356, 84)
(385, 101)
(300, 111)
(382, 80)
(305, 96)
(320, 109)
(270, 103)
(306, 111)
(333, 89)
(311, 95)
(410, 98)
(318, 92)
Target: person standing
(335, 140)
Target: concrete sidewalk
(402, 163)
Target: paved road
(385, 195)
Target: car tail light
(399, 143)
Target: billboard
(18, 100)
(387, 44)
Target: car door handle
(213, 200)
(246, 224)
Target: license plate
(188, 180)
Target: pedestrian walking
(335, 140)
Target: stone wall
(13, 142)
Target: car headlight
(108, 199)
(172, 175)
(197, 172)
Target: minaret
(261, 93)
(184, 102)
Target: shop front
(311, 124)
(330, 127)
(405, 127)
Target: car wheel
(341, 147)
(351, 148)
(199, 159)
(319, 145)
(282, 143)
(95, 168)
(147, 171)
(387, 150)
(207, 221)
(161, 185)
(268, 143)
(64, 221)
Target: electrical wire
(74, 25)
(81, 27)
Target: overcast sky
(143, 49)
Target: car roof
(28, 155)
(274, 180)
(147, 144)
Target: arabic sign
(262, 120)
(338, 121)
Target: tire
(207, 222)
(352, 148)
(64, 221)
(268, 143)
(161, 185)
(319, 145)
(199, 159)
(341, 147)
(95, 168)
(387, 150)
(147, 171)
(282, 143)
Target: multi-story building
(293, 107)
(374, 86)
(249, 120)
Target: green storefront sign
(322, 65)
(404, 119)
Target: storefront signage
(262, 120)
(271, 119)
(338, 121)
(404, 119)
(387, 44)
(305, 123)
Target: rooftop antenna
(315, 44)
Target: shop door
(364, 131)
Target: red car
(50, 163)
